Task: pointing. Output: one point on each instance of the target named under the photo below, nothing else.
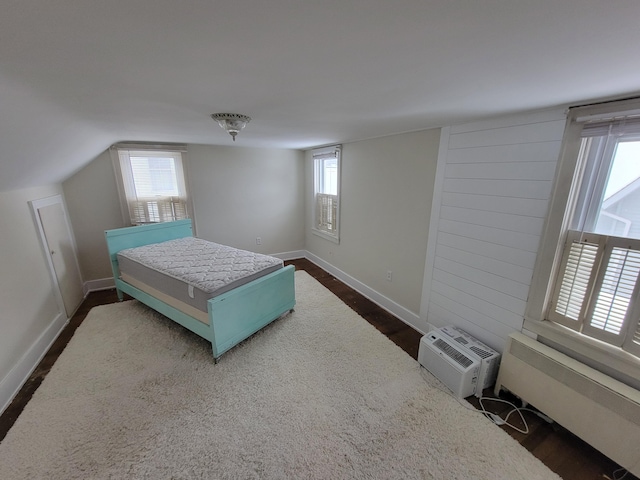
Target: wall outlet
(389, 276)
(258, 241)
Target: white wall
(386, 190)
(494, 184)
(243, 193)
(29, 315)
(92, 201)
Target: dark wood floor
(561, 451)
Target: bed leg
(216, 360)
(120, 295)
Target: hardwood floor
(562, 452)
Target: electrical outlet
(389, 276)
(258, 241)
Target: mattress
(193, 270)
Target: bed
(225, 319)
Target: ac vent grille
(453, 353)
(480, 352)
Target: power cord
(618, 472)
(494, 417)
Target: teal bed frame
(233, 316)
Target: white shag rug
(319, 394)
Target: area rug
(318, 394)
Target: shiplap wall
(494, 182)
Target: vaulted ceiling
(77, 76)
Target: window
(152, 183)
(326, 164)
(595, 287)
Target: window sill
(326, 236)
(608, 355)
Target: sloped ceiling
(77, 76)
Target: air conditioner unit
(450, 363)
(489, 358)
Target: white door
(61, 250)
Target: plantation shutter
(598, 290)
(326, 212)
(157, 209)
(634, 343)
(577, 270)
(614, 292)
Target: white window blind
(154, 185)
(622, 124)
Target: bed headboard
(129, 237)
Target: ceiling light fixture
(231, 122)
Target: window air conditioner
(464, 364)
(489, 358)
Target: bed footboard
(239, 313)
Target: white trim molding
(293, 255)
(434, 219)
(19, 374)
(97, 285)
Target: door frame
(35, 206)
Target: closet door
(60, 248)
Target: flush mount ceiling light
(231, 122)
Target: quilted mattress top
(206, 265)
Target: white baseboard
(19, 374)
(97, 285)
(290, 255)
(389, 305)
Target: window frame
(560, 219)
(326, 205)
(124, 179)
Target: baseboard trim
(389, 305)
(293, 255)
(97, 285)
(22, 370)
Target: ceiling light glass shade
(231, 122)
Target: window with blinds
(597, 291)
(597, 288)
(153, 184)
(327, 191)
